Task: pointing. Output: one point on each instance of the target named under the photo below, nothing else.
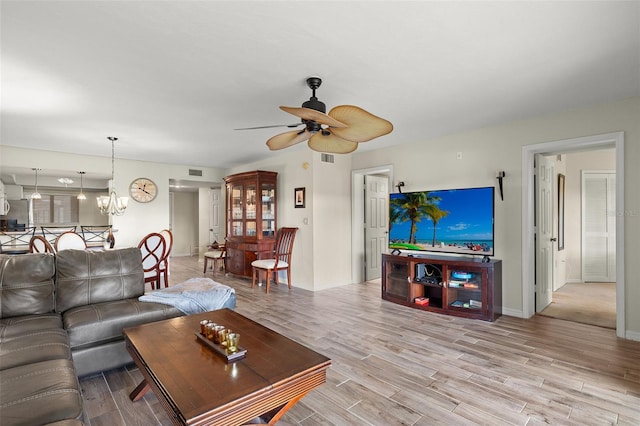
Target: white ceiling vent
(326, 158)
(194, 172)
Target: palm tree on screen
(414, 207)
(395, 213)
(435, 214)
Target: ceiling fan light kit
(338, 132)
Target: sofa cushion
(17, 326)
(84, 277)
(102, 322)
(35, 346)
(26, 284)
(39, 393)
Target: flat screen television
(446, 221)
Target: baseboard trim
(632, 335)
(513, 312)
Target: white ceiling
(172, 79)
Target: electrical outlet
(459, 155)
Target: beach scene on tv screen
(451, 221)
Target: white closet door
(598, 226)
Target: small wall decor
(299, 198)
(501, 174)
(560, 212)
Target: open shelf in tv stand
(464, 287)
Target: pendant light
(112, 204)
(81, 195)
(36, 195)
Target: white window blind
(58, 209)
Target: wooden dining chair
(39, 244)
(281, 260)
(69, 240)
(165, 263)
(153, 247)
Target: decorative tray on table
(222, 350)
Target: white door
(598, 226)
(376, 223)
(215, 216)
(545, 180)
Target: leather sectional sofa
(61, 317)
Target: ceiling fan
(338, 132)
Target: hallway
(591, 303)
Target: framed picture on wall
(560, 212)
(298, 197)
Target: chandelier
(112, 204)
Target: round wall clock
(143, 190)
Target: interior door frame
(607, 140)
(358, 254)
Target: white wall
(185, 229)
(332, 221)
(433, 164)
(203, 218)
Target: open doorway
(613, 141)
(583, 248)
(196, 215)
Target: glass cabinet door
(251, 201)
(250, 212)
(397, 280)
(464, 289)
(236, 222)
(267, 199)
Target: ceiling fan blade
(270, 127)
(326, 142)
(287, 139)
(313, 115)
(362, 126)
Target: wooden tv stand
(457, 286)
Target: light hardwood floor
(393, 365)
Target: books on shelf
(475, 303)
(423, 301)
(462, 284)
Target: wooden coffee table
(196, 386)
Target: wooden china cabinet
(251, 219)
